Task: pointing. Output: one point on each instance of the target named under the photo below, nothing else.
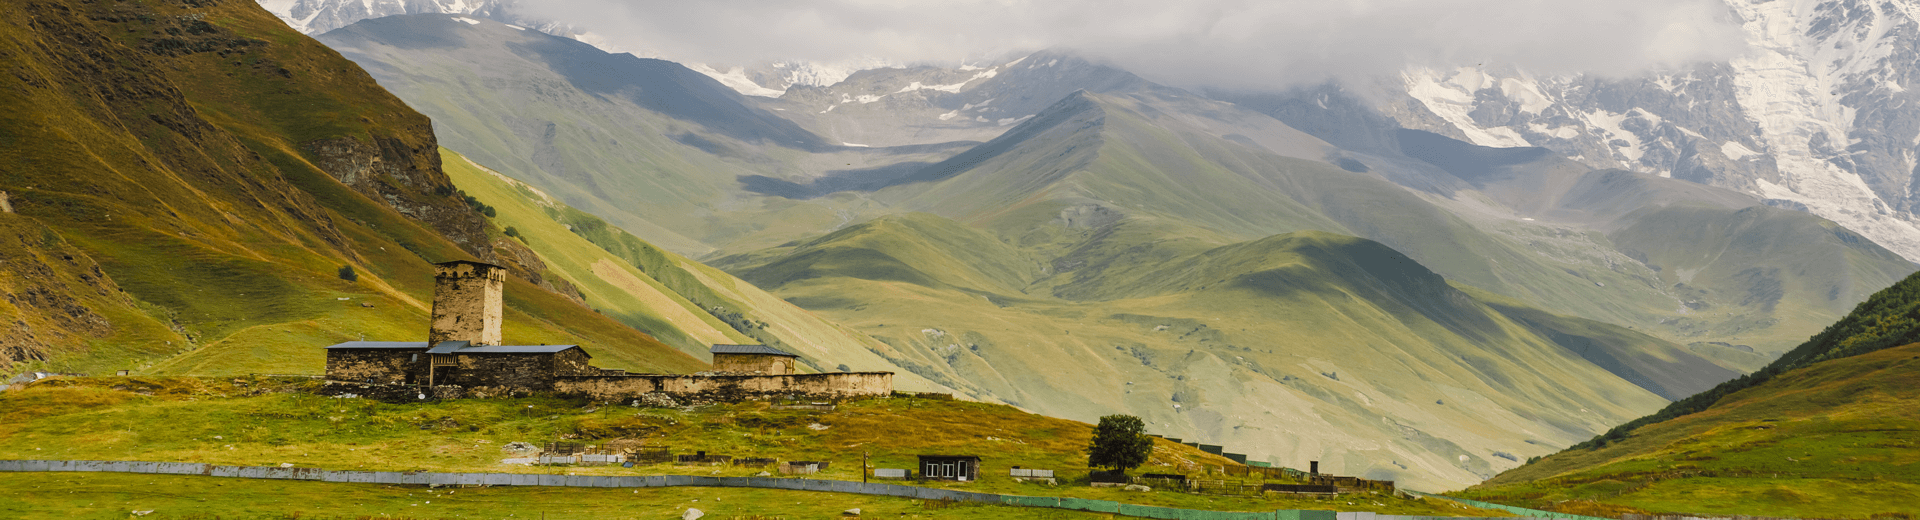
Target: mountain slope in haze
(653, 147)
(1611, 246)
(1740, 277)
(220, 171)
(682, 302)
(1826, 429)
(1253, 345)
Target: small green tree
(346, 273)
(1120, 443)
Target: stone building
(752, 359)
(463, 350)
(463, 343)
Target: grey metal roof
(381, 344)
(749, 349)
(446, 347)
(505, 349)
(469, 262)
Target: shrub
(346, 273)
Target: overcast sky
(1226, 43)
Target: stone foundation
(725, 388)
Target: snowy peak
(319, 16)
(1817, 116)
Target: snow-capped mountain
(1817, 115)
(765, 79)
(319, 16)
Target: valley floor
(268, 422)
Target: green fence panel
(1166, 513)
(1308, 514)
(1016, 500)
(1097, 506)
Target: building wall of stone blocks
(528, 371)
(574, 362)
(752, 363)
(729, 388)
(467, 304)
(381, 366)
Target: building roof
(518, 349)
(462, 347)
(457, 347)
(456, 262)
(381, 344)
(447, 347)
(749, 349)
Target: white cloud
(1230, 43)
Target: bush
(346, 273)
(510, 231)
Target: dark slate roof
(381, 344)
(749, 349)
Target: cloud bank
(1220, 43)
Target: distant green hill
(1308, 336)
(191, 182)
(1828, 429)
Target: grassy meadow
(1838, 439)
(273, 421)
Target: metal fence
(833, 486)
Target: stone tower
(466, 302)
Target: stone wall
(721, 388)
(574, 362)
(753, 363)
(467, 304)
(381, 366)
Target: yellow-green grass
(253, 421)
(1835, 439)
(83, 496)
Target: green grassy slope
(1829, 425)
(1292, 348)
(260, 422)
(685, 303)
(221, 169)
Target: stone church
(463, 350)
(463, 343)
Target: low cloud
(1221, 43)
